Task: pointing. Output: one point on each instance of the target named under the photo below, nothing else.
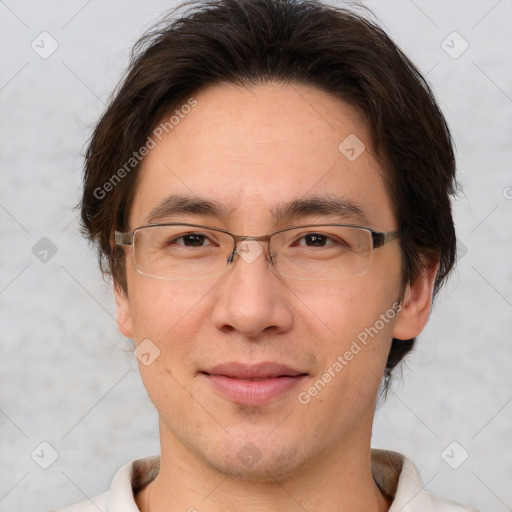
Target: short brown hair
(250, 42)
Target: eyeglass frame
(378, 238)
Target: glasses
(177, 252)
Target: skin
(251, 149)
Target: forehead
(255, 149)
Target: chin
(268, 472)
(261, 460)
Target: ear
(416, 305)
(123, 311)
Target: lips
(254, 384)
(265, 370)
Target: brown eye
(315, 240)
(193, 240)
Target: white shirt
(395, 475)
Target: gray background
(70, 379)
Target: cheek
(354, 339)
(353, 322)
(170, 315)
(161, 308)
(344, 309)
(176, 317)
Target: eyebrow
(183, 205)
(319, 205)
(293, 210)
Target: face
(253, 151)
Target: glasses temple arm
(379, 239)
(123, 238)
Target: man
(270, 191)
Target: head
(247, 105)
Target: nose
(252, 299)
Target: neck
(338, 481)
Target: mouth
(255, 384)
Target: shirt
(396, 476)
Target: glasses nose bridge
(243, 238)
(237, 239)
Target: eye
(316, 240)
(191, 240)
